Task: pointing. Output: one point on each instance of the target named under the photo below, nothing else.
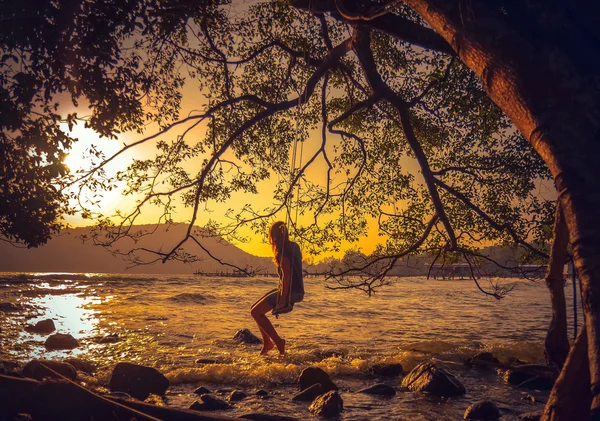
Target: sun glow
(81, 159)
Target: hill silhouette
(67, 252)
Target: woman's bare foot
(281, 346)
(267, 346)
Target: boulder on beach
(379, 389)
(327, 405)
(387, 369)
(426, 377)
(531, 376)
(314, 375)
(483, 360)
(137, 380)
(483, 411)
(60, 341)
(39, 369)
(42, 327)
(246, 337)
(309, 394)
(209, 403)
(237, 396)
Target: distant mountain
(67, 252)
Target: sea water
(171, 321)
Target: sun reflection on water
(71, 313)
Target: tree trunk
(570, 398)
(556, 345)
(556, 106)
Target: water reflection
(71, 313)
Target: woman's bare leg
(267, 330)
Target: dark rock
(202, 391)
(262, 393)
(426, 377)
(379, 389)
(42, 327)
(209, 403)
(531, 416)
(206, 361)
(531, 376)
(314, 375)
(109, 339)
(387, 370)
(266, 417)
(81, 365)
(483, 410)
(60, 341)
(482, 360)
(309, 394)
(38, 369)
(137, 380)
(246, 337)
(515, 361)
(237, 395)
(328, 405)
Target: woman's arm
(283, 299)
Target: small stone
(60, 341)
(483, 410)
(328, 353)
(309, 394)
(379, 389)
(246, 337)
(387, 370)
(202, 391)
(206, 361)
(262, 393)
(328, 405)
(42, 327)
(314, 375)
(209, 403)
(237, 396)
(483, 360)
(39, 369)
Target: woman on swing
(288, 259)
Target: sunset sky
(112, 201)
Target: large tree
(384, 83)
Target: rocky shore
(59, 390)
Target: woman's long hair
(279, 238)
